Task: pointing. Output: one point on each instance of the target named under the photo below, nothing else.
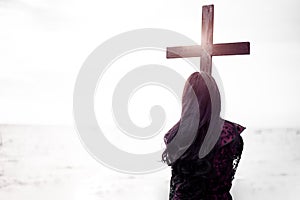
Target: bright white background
(44, 43)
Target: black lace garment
(209, 178)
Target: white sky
(44, 43)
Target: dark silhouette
(202, 149)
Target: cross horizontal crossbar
(222, 49)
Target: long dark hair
(199, 117)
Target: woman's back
(210, 177)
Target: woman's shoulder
(230, 131)
(230, 126)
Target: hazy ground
(45, 162)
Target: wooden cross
(207, 49)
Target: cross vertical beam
(207, 38)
